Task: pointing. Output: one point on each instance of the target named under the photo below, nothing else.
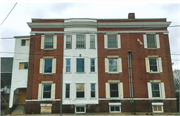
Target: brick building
(108, 65)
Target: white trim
(45, 104)
(137, 98)
(94, 32)
(43, 100)
(157, 103)
(115, 103)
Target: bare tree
(176, 74)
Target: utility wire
(9, 13)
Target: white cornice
(100, 25)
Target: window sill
(48, 49)
(80, 48)
(112, 48)
(47, 73)
(80, 99)
(92, 73)
(67, 98)
(113, 72)
(92, 48)
(68, 48)
(67, 73)
(154, 72)
(80, 73)
(93, 98)
(152, 48)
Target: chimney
(131, 16)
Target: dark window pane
(153, 64)
(92, 41)
(112, 108)
(79, 109)
(92, 65)
(112, 65)
(68, 65)
(92, 93)
(80, 94)
(68, 41)
(114, 90)
(47, 91)
(155, 90)
(23, 42)
(48, 66)
(80, 65)
(67, 90)
(25, 65)
(117, 108)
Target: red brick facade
(128, 43)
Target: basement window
(157, 107)
(80, 109)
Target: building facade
(107, 65)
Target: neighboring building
(20, 71)
(108, 65)
(6, 73)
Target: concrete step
(17, 112)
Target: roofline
(94, 18)
(25, 36)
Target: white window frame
(94, 42)
(25, 42)
(52, 41)
(80, 106)
(71, 41)
(114, 105)
(43, 91)
(157, 41)
(43, 42)
(110, 90)
(84, 42)
(77, 65)
(93, 65)
(116, 41)
(157, 62)
(157, 104)
(160, 91)
(24, 65)
(84, 91)
(117, 65)
(69, 90)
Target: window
(67, 90)
(46, 91)
(114, 108)
(48, 66)
(153, 64)
(80, 109)
(25, 42)
(68, 42)
(93, 92)
(23, 65)
(92, 65)
(157, 107)
(68, 66)
(113, 65)
(112, 41)
(80, 41)
(92, 41)
(155, 89)
(80, 65)
(48, 43)
(151, 41)
(114, 90)
(80, 90)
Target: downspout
(130, 80)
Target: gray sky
(16, 23)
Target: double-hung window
(67, 91)
(46, 91)
(23, 65)
(151, 41)
(68, 65)
(80, 90)
(113, 66)
(155, 89)
(153, 64)
(68, 41)
(80, 65)
(47, 65)
(92, 65)
(80, 41)
(112, 41)
(114, 91)
(93, 90)
(92, 41)
(48, 42)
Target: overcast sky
(16, 23)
